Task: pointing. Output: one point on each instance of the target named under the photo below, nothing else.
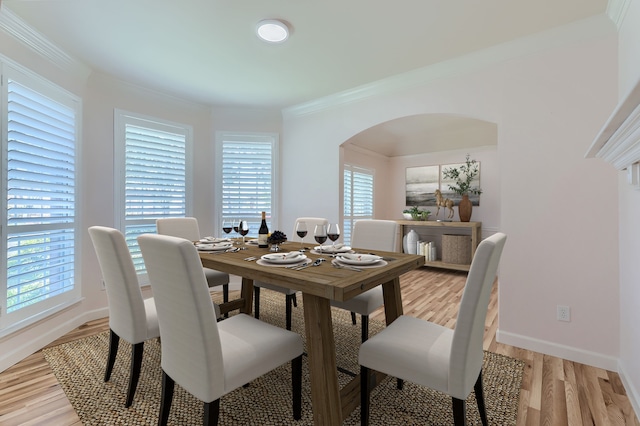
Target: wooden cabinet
(436, 230)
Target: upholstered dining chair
(369, 234)
(207, 358)
(428, 354)
(187, 228)
(290, 295)
(131, 317)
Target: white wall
(629, 63)
(558, 209)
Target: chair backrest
(466, 349)
(311, 225)
(127, 315)
(375, 234)
(190, 342)
(183, 227)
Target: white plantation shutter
(40, 219)
(154, 181)
(247, 178)
(358, 198)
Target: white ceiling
(207, 51)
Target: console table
(450, 228)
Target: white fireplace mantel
(618, 142)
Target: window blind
(41, 198)
(358, 198)
(247, 181)
(155, 180)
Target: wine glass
(333, 233)
(301, 230)
(320, 234)
(227, 226)
(236, 224)
(243, 229)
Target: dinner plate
(253, 242)
(358, 259)
(283, 258)
(214, 247)
(360, 265)
(329, 249)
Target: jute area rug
(79, 367)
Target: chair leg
(136, 365)
(296, 386)
(114, 339)
(295, 300)
(459, 409)
(166, 398)
(365, 327)
(225, 296)
(364, 396)
(288, 308)
(211, 413)
(400, 384)
(353, 318)
(256, 302)
(480, 398)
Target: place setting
(290, 259)
(222, 246)
(358, 261)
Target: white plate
(282, 258)
(214, 240)
(253, 242)
(330, 250)
(358, 259)
(214, 247)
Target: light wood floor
(554, 391)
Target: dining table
(319, 285)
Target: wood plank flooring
(554, 391)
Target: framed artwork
(422, 182)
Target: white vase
(409, 242)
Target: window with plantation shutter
(39, 233)
(247, 169)
(358, 198)
(153, 180)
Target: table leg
(246, 293)
(392, 300)
(325, 390)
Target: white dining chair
(207, 358)
(131, 317)
(187, 228)
(290, 295)
(369, 234)
(428, 354)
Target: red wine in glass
(301, 234)
(301, 231)
(320, 239)
(243, 229)
(333, 233)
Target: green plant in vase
(463, 178)
(417, 214)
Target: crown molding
(618, 142)
(617, 10)
(18, 29)
(586, 29)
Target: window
(246, 175)
(358, 198)
(154, 157)
(39, 123)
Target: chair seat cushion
(398, 352)
(364, 303)
(251, 348)
(215, 278)
(153, 329)
(274, 287)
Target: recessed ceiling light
(272, 30)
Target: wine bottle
(263, 232)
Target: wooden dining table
(319, 285)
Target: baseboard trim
(632, 391)
(570, 353)
(10, 358)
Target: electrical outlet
(564, 313)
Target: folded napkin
(213, 240)
(281, 256)
(331, 247)
(365, 258)
(216, 246)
